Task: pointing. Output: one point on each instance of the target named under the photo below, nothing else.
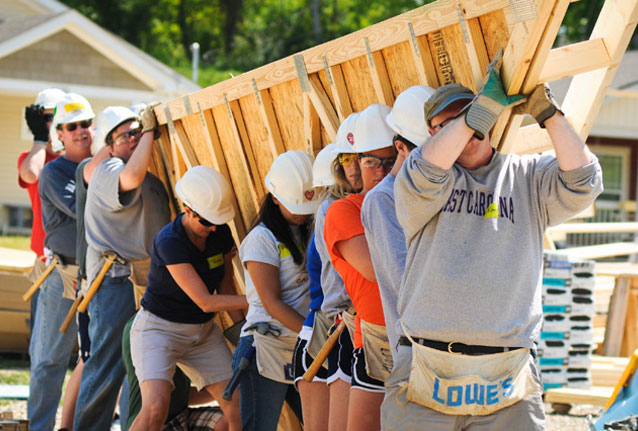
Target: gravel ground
(575, 420)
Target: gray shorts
(158, 345)
(399, 414)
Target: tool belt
(378, 356)
(477, 385)
(320, 328)
(274, 354)
(465, 349)
(68, 270)
(348, 316)
(38, 268)
(139, 278)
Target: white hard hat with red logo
(290, 181)
(371, 132)
(345, 135)
(407, 118)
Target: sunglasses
(85, 124)
(346, 158)
(202, 220)
(48, 118)
(373, 162)
(125, 137)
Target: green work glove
(490, 101)
(34, 115)
(540, 105)
(232, 333)
(149, 121)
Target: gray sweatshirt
(386, 243)
(335, 298)
(475, 243)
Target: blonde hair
(342, 187)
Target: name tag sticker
(215, 261)
(491, 211)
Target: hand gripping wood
(324, 352)
(36, 285)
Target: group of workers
(409, 239)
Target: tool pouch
(274, 356)
(320, 328)
(38, 268)
(348, 316)
(68, 274)
(139, 278)
(376, 346)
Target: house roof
(19, 33)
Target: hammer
(327, 347)
(110, 258)
(36, 284)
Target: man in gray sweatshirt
(470, 297)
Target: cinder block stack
(567, 337)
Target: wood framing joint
(302, 73)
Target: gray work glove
(149, 121)
(490, 101)
(232, 333)
(34, 114)
(540, 105)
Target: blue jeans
(261, 399)
(103, 373)
(50, 352)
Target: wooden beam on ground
(595, 227)
(596, 395)
(614, 330)
(380, 80)
(602, 250)
(573, 59)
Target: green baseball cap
(443, 97)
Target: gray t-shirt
(475, 244)
(261, 245)
(57, 193)
(335, 298)
(386, 243)
(124, 223)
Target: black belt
(66, 260)
(455, 347)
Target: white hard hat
(345, 135)
(371, 132)
(321, 168)
(206, 191)
(108, 120)
(72, 108)
(49, 98)
(290, 181)
(406, 117)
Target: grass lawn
(14, 372)
(19, 242)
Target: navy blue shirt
(171, 246)
(313, 264)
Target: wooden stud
(268, 116)
(312, 129)
(616, 317)
(241, 136)
(474, 48)
(340, 93)
(185, 147)
(379, 74)
(323, 107)
(422, 59)
(574, 59)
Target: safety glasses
(373, 162)
(346, 158)
(202, 220)
(125, 137)
(443, 123)
(85, 124)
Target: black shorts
(360, 378)
(83, 336)
(302, 361)
(340, 358)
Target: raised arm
(265, 277)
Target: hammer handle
(96, 283)
(36, 284)
(71, 315)
(324, 352)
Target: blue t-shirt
(313, 264)
(171, 246)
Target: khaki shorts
(158, 345)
